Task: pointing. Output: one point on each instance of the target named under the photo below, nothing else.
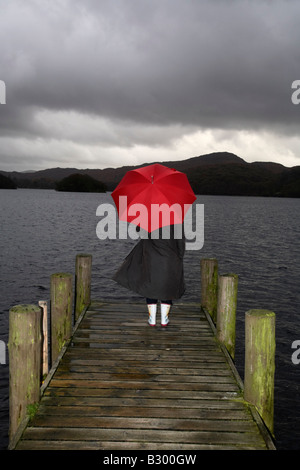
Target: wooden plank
(124, 385)
(92, 371)
(145, 393)
(137, 401)
(107, 422)
(136, 385)
(128, 446)
(150, 377)
(209, 363)
(142, 435)
(119, 411)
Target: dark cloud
(146, 72)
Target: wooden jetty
(119, 384)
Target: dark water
(257, 238)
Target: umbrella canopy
(153, 196)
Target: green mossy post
(226, 311)
(24, 345)
(61, 293)
(83, 272)
(209, 286)
(260, 363)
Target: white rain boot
(152, 314)
(165, 309)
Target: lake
(256, 238)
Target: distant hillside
(80, 183)
(219, 173)
(6, 182)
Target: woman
(154, 269)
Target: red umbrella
(153, 196)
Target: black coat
(154, 268)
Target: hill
(80, 183)
(6, 182)
(219, 173)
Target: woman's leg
(165, 307)
(152, 308)
(151, 301)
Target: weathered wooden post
(83, 272)
(226, 311)
(260, 363)
(61, 294)
(45, 352)
(24, 347)
(209, 286)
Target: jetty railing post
(260, 363)
(24, 347)
(45, 349)
(226, 311)
(61, 294)
(83, 271)
(209, 286)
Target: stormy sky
(106, 83)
